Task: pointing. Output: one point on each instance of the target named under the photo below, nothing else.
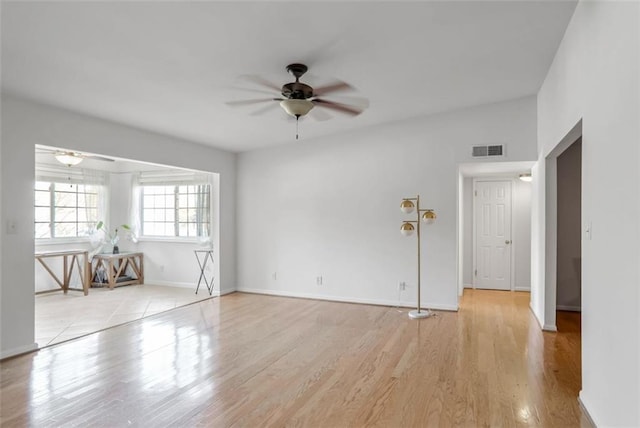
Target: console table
(70, 259)
(119, 269)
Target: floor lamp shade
(407, 206)
(407, 229)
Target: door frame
(512, 275)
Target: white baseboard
(467, 285)
(569, 308)
(379, 302)
(18, 351)
(550, 327)
(225, 292)
(522, 289)
(188, 285)
(584, 409)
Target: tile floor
(61, 317)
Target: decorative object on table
(428, 216)
(112, 237)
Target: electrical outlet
(402, 286)
(275, 276)
(319, 280)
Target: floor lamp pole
(418, 236)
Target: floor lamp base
(424, 313)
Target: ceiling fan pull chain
(297, 118)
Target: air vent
(487, 151)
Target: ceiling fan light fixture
(68, 158)
(296, 107)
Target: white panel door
(492, 201)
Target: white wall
(467, 215)
(330, 207)
(25, 124)
(521, 236)
(595, 77)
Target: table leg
(65, 275)
(87, 274)
(112, 279)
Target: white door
(492, 203)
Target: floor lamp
(428, 216)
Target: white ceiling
(170, 66)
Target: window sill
(61, 241)
(170, 240)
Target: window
(177, 210)
(68, 201)
(65, 210)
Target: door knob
(507, 242)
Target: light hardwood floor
(249, 361)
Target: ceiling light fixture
(296, 108)
(68, 158)
(525, 177)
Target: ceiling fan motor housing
(297, 91)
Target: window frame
(199, 224)
(51, 191)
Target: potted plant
(112, 236)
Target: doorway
(492, 234)
(569, 245)
(518, 174)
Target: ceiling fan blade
(357, 102)
(264, 109)
(255, 90)
(332, 87)
(262, 82)
(343, 108)
(249, 102)
(100, 158)
(320, 114)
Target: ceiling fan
(71, 158)
(297, 98)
